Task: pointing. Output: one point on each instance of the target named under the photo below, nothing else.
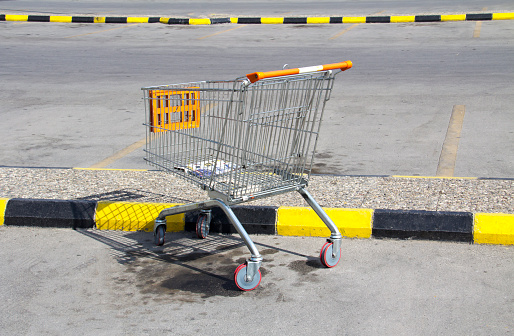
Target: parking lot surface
(84, 282)
(72, 95)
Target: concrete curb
(479, 228)
(261, 20)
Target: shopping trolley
(241, 140)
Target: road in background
(118, 283)
(70, 93)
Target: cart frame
(224, 136)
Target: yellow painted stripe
(503, 16)
(460, 17)
(3, 205)
(296, 221)
(354, 19)
(276, 20)
(448, 156)
(436, 177)
(199, 21)
(395, 19)
(11, 17)
(99, 19)
(117, 169)
(64, 19)
(478, 28)
(343, 31)
(128, 216)
(318, 20)
(494, 229)
(121, 153)
(137, 19)
(164, 20)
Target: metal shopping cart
(241, 140)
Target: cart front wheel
(202, 226)
(240, 279)
(326, 257)
(160, 232)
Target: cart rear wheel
(321, 254)
(160, 232)
(326, 255)
(202, 226)
(240, 279)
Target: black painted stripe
(50, 213)
(178, 21)
(220, 20)
(114, 19)
(427, 18)
(378, 19)
(82, 19)
(38, 18)
(295, 20)
(2, 17)
(249, 20)
(479, 17)
(436, 225)
(255, 220)
(154, 19)
(336, 19)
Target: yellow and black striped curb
(261, 20)
(479, 228)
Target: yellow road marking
(344, 31)
(476, 31)
(435, 177)
(118, 155)
(220, 32)
(478, 26)
(448, 155)
(116, 169)
(101, 31)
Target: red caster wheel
(240, 279)
(203, 225)
(326, 257)
(159, 234)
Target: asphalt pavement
(72, 95)
(90, 282)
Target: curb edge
(479, 228)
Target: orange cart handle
(254, 77)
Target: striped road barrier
(261, 20)
(478, 228)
